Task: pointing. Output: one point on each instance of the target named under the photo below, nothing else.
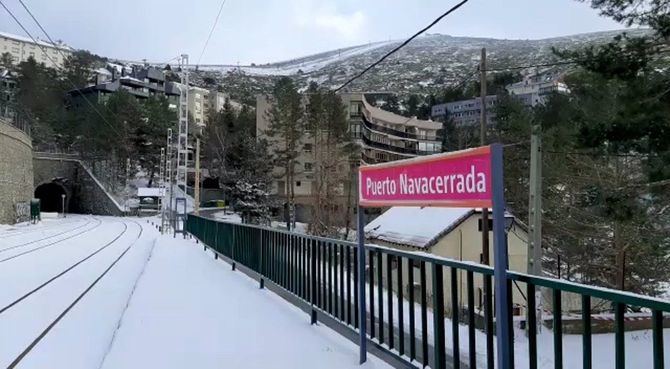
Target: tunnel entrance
(50, 195)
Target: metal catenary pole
(161, 183)
(182, 137)
(362, 308)
(127, 190)
(502, 301)
(485, 259)
(535, 216)
(168, 164)
(196, 194)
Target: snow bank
(191, 311)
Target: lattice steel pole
(161, 181)
(182, 138)
(167, 212)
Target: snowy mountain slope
(301, 65)
(427, 63)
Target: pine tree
(326, 120)
(242, 163)
(6, 61)
(652, 13)
(285, 131)
(150, 133)
(606, 152)
(77, 69)
(39, 98)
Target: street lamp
(63, 204)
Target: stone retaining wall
(16, 170)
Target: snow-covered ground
(190, 310)
(638, 343)
(92, 292)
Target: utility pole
(535, 215)
(196, 197)
(488, 289)
(482, 142)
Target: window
(307, 148)
(309, 167)
(298, 183)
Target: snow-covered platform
(145, 301)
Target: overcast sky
(273, 30)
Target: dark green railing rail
(404, 289)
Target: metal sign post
(362, 306)
(470, 178)
(504, 334)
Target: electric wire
(360, 74)
(216, 21)
(51, 59)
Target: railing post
(439, 361)
(261, 270)
(502, 300)
(362, 309)
(232, 247)
(313, 290)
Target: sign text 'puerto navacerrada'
(457, 179)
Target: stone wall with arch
(16, 170)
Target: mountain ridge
(427, 64)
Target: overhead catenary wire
(557, 63)
(454, 8)
(216, 21)
(50, 58)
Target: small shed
(150, 199)
(454, 233)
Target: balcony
(375, 127)
(395, 149)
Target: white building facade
(22, 48)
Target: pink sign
(457, 179)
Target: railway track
(19, 232)
(49, 237)
(2, 260)
(71, 267)
(97, 277)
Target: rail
(413, 298)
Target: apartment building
(384, 136)
(533, 90)
(381, 135)
(215, 101)
(142, 83)
(197, 99)
(7, 91)
(21, 48)
(466, 112)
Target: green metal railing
(413, 298)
